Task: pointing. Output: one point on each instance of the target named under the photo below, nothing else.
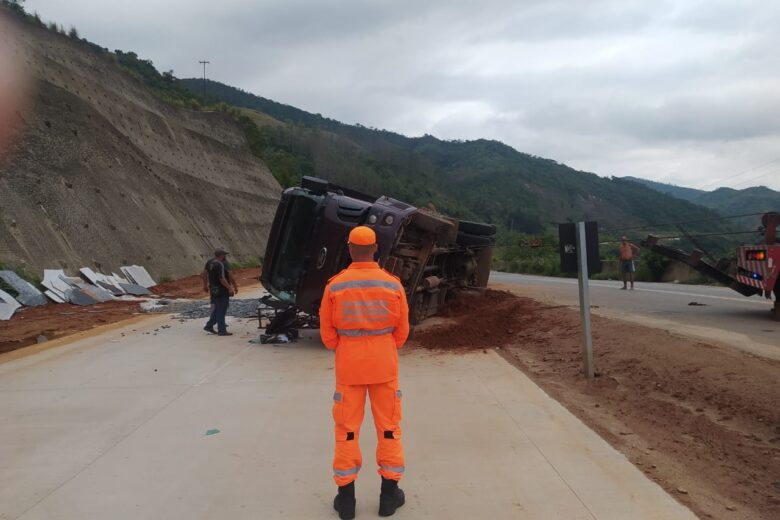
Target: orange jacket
(365, 317)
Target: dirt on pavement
(58, 320)
(700, 419)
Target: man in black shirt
(221, 286)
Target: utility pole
(204, 63)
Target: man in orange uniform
(365, 318)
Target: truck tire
(467, 239)
(477, 228)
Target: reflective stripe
(364, 284)
(337, 397)
(398, 394)
(346, 472)
(395, 469)
(364, 332)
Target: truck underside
(433, 255)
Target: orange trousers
(349, 403)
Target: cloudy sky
(686, 91)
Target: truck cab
(432, 254)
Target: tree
(73, 33)
(15, 5)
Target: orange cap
(362, 236)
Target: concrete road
(145, 422)
(723, 316)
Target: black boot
(344, 502)
(391, 497)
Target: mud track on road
(700, 419)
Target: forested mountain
(726, 201)
(680, 192)
(480, 179)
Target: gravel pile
(198, 309)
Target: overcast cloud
(686, 92)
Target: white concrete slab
(115, 427)
(28, 294)
(139, 275)
(8, 305)
(53, 296)
(53, 280)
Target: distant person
(221, 285)
(364, 317)
(627, 267)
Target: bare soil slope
(102, 173)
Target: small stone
(41, 339)
(682, 491)
(731, 508)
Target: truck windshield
(287, 266)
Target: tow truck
(433, 255)
(757, 267)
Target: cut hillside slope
(104, 173)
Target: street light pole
(204, 63)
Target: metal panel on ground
(79, 297)
(95, 292)
(134, 289)
(110, 287)
(53, 297)
(89, 275)
(28, 294)
(139, 275)
(100, 280)
(115, 278)
(8, 306)
(52, 280)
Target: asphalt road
(723, 315)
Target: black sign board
(567, 247)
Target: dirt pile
(701, 420)
(479, 321)
(102, 173)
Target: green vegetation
(248, 263)
(165, 85)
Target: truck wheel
(467, 239)
(476, 228)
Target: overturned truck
(433, 255)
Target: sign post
(582, 278)
(579, 250)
